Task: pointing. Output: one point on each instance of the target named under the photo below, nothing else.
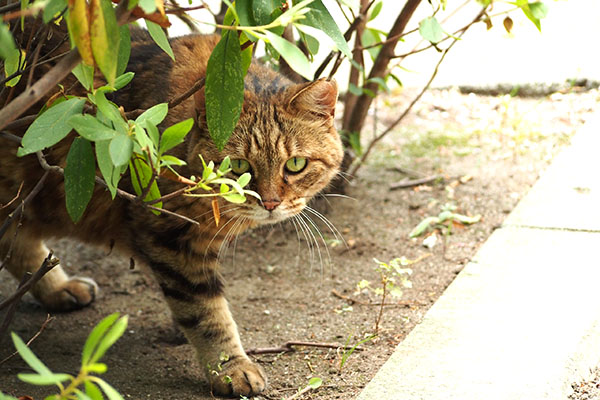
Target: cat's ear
(317, 97)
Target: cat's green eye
(295, 164)
(240, 166)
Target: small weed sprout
(313, 384)
(102, 337)
(393, 277)
(349, 350)
(443, 220)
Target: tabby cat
(285, 138)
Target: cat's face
(289, 145)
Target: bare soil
(486, 151)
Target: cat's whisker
(345, 176)
(292, 220)
(301, 225)
(313, 237)
(336, 233)
(235, 240)
(217, 234)
(343, 196)
(316, 228)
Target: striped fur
(279, 120)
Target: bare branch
(288, 347)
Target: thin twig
(408, 183)
(352, 301)
(49, 262)
(288, 347)
(19, 210)
(363, 157)
(38, 333)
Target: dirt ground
(486, 151)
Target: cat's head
(286, 140)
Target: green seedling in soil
(443, 220)
(313, 384)
(393, 276)
(349, 350)
(86, 385)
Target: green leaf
(261, 11)
(81, 396)
(320, 18)
(104, 35)
(235, 198)
(97, 368)
(90, 128)
(111, 393)
(120, 149)
(431, 30)
(84, 74)
(92, 341)
(375, 10)
(53, 8)
(123, 80)
(7, 43)
(141, 174)
(106, 165)
(159, 37)
(110, 110)
(224, 89)
(92, 391)
(381, 82)
(154, 114)
(80, 172)
(244, 179)
(50, 127)
(124, 50)
(355, 90)
(170, 160)
(174, 135)
(243, 10)
(148, 6)
(315, 382)
(44, 380)
(112, 335)
(27, 355)
(79, 29)
(369, 38)
(292, 54)
(538, 9)
(13, 63)
(224, 166)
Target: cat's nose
(270, 205)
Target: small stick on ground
(408, 183)
(288, 347)
(352, 300)
(39, 332)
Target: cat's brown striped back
(285, 137)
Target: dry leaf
(216, 212)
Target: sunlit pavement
(522, 320)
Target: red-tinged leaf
(104, 34)
(216, 211)
(79, 29)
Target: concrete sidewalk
(522, 320)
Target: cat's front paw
(75, 293)
(238, 376)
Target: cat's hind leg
(56, 290)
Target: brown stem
(384, 281)
(358, 113)
(364, 156)
(49, 263)
(288, 347)
(19, 210)
(38, 333)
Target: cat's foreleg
(197, 301)
(24, 252)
